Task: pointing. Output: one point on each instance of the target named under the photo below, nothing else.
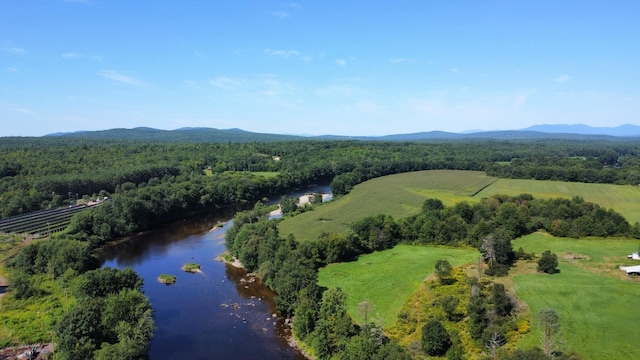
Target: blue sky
(317, 67)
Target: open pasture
(387, 278)
(398, 195)
(622, 198)
(597, 302)
(598, 314)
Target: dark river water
(220, 313)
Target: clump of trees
(111, 319)
(548, 263)
(435, 338)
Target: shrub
(548, 263)
(435, 338)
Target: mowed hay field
(624, 199)
(387, 278)
(398, 195)
(597, 303)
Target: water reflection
(220, 313)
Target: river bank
(291, 339)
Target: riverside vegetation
(478, 311)
(150, 183)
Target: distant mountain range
(627, 130)
(575, 132)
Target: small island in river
(191, 267)
(167, 279)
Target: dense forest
(150, 183)
(41, 173)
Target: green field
(387, 278)
(597, 303)
(266, 174)
(623, 198)
(398, 195)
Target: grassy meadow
(402, 195)
(623, 198)
(398, 195)
(596, 301)
(388, 278)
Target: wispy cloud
(455, 70)
(370, 107)
(341, 62)
(282, 53)
(399, 60)
(281, 15)
(226, 83)
(284, 13)
(116, 76)
(12, 70)
(341, 90)
(24, 111)
(268, 85)
(563, 78)
(71, 55)
(15, 50)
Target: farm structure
(631, 270)
(42, 223)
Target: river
(220, 313)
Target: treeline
(40, 173)
(111, 318)
(290, 268)
(136, 207)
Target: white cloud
(341, 90)
(341, 62)
(116, 76)
(455, 70)
(269, 85)
(71, 55)
(24, 111)
(295, 6)
(282, 53)
(428, 106)
(563, 79)
(12, 70)
(399, 60)
(281, 15)
(15, 50)
(226, 83)
(370, 107)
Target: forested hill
(199, 135)
(210, 135)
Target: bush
(548, 263)
(435, 338)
